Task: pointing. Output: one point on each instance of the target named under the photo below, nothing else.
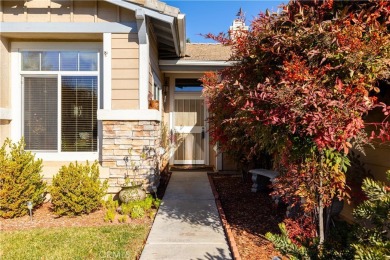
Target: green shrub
(126, 208)
(138, 208)
(111, 206)
(157, 203)
(147, 203)
(284, 244)
(76, 189)
(20, 180)
(373, 216)
(152, 214)
(137, 212)
(110, 203)
(109, 216)
(122, 219)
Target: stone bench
(256, 173)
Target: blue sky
(216, 16)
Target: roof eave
(169, 66)
(175, 20)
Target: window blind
(40, 113)
(79, 105)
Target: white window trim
(17, 95)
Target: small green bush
(284, 244)
(109, 216)
(137, 212)
(126, 208)
(111, 206)
(157, 203)
(373, 216)
(20, 180)
(76, 189)
(122, 219)
(147, 203)
(110, 203)
(138, 208)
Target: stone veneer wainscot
(118, 138)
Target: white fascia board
(190, 66)
(16, 27)
(129, 115)
(5, 114)
(148, 12)
(181, 24)
(175, 40)
(195, 63)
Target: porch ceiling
(165, 41)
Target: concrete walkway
(187, 225)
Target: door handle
(203, 134)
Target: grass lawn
(104, 242)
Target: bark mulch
(250, 215)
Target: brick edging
(225, 224)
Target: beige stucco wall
(63, 11)
(5, 94)
(125, 71)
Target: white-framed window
(156, 88)
(59, 93)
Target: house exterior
(77, 77)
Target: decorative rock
(132, 193)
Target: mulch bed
(43, 217)
(250, 215)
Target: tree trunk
(321, 217)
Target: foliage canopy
(303, 81)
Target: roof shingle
(207, 52)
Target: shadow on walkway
(187, 225)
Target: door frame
(190, 95)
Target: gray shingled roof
(207, 52)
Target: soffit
(163, 19)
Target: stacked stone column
(137, 140)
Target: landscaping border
(225, 223)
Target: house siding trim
(107, 78)
(129, 115)
(143, 58)
(5, 114)
(81, 27)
